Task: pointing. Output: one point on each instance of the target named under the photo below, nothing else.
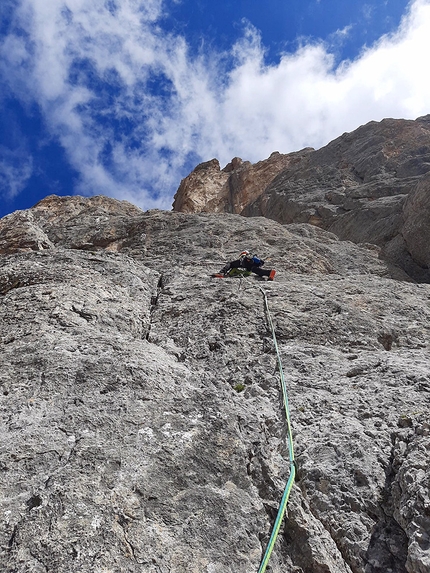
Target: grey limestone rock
(142, 426)
(416, 229)
(367, 186)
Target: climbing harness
(288, 487)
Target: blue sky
(126, 97)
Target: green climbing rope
(288, 487)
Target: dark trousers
(259, 271)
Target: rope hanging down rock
(288, 487)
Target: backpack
(257, 262)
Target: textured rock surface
(355, 187)
(141, 418)
(416, 228)
(213, 190)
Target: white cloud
(304, 100)
(16, 168)
(367, 10)
(340, 35)
(207, 106)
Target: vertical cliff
(142, 424)
(362, 186)
(210, 189)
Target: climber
(250, 263)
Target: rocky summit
(368, 186)
(142, 424)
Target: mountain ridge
(362, 186)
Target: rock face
(209, 189)
(416, 228)
(141, 418)
(356, 187)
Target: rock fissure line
(334, 537)
(390, 533)
(12, 539)
(154, 304)
(39, 561)
(8, 287)
(128, 544)
(88, 316)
